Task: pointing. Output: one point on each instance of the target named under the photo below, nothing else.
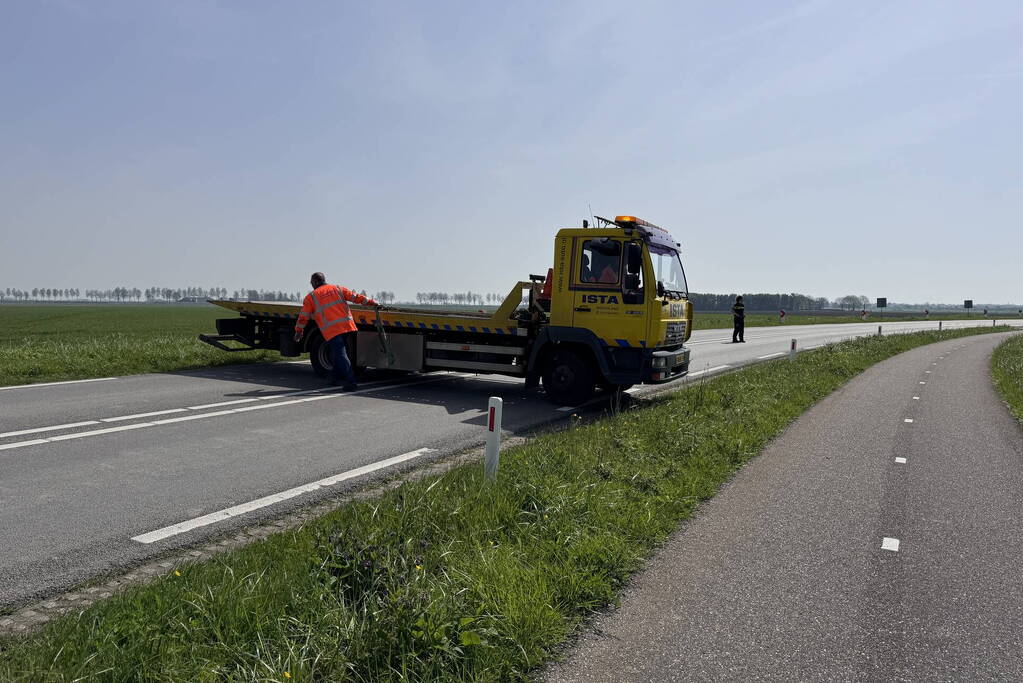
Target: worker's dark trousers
(342, 369)
(737, 331)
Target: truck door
(608, 290)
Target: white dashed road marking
(890, 544)
(908, 419)
(901, 461)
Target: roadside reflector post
(792, 350)
(939, 326)
(994, 323)
(494, 409)
(879, 330)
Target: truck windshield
(668, 270)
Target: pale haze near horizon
(826, 148)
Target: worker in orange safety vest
(327, 305)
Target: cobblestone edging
(33, 616)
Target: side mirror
(660, 289)
(635, 259)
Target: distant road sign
(882, 302)
(968, 303)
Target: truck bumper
(667, 365)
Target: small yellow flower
(419, 567)
(287, 675)
(177, 573)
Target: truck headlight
(660, 362)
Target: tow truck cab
(619, 299)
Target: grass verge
(448, 578)
(1007, 370)
(50, 343)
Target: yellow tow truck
(612, 312)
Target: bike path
(791, 572)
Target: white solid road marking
(200, 416)
(98, 432)
(923, 382)
(19, 444)
(72, 425)
(223, 403)
(704, 372)
(890, 544)
(186, 418)
(908, 419)
(53, 384)
(227, 513)
(901, 461)
(138, 415)
(916, 398)
(771, 355)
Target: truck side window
(601, 261)
(632, 284)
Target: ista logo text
(600, 298)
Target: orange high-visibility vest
(327, 306)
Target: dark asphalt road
(784, 575)
(191, 444)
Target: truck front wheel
(568, 378)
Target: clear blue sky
(822, 147)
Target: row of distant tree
(150, 294)
(158, 294)
(462, 298)
(768, 302)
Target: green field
(47, 343)
(54, 342)
(450, 577)
(1007, 371)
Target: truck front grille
(676, 333)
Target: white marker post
(494, 409)
(792, 351)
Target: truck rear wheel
(568, 378)
(319, 356)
